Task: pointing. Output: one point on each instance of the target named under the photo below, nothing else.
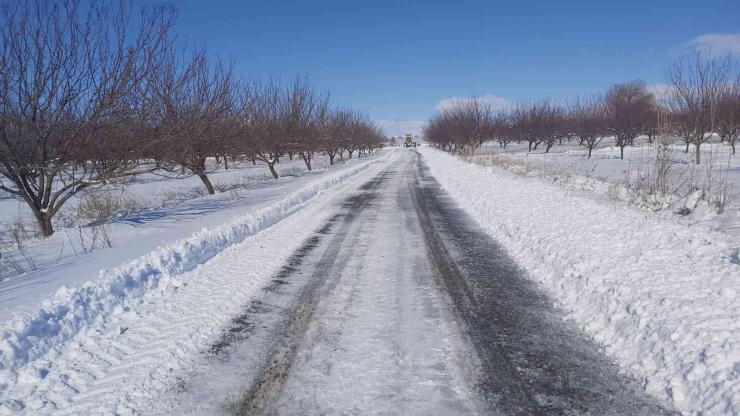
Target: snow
(138, 233)
(380, 340)
(56, 355)
(659, 296)
(605, 172)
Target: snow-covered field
(66, 315)
(167, 210)
(619, 179)
(659, 295)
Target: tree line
(702, 98)
(91, 93)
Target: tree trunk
(44, 221)
(547, 149)
(226, 163)
(307, 159)
(621, 152)
(272, 170)
(732, 144)
(530, 147)
(207, 182)
(589, 151)
(350, 153)
(687, 148)
(331, 158)
(698, 153)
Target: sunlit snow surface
(123, 336)
(658, 295)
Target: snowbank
(660, 297)
(78, 309)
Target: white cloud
(722, 44)
(495, 101)
(401, 127)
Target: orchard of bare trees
(702, 100)
(91, 93)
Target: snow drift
(73, 310)
(660, 297)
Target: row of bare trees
(702, 98)
(90, 94)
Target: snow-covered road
(400, 304)
(380, 296)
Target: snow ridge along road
(407, 307)
(659, 297)
(41, 355)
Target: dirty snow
(661, 297)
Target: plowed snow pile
(31, 343)
(660, 297)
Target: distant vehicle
(409, 141)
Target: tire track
(532, 363)
(120, 368)
(277, 366)
(499, 375)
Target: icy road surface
(400, 304)
(379, 296)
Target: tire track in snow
(140, 355)
(277, 367)
(532, 362)
(379, 342)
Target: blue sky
(398, 60)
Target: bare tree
(652, 127)
(266, 127)
(194, 104)
(696, 84)
(629, 110)
(466, 124)
(335, 130)
(307, 112)
(68, 73)
(356, 128)
(548, 125)
(728, 123)
(589, 121)
(523, 124)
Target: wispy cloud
(722, 44)
(495, 101)
(401, 127)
